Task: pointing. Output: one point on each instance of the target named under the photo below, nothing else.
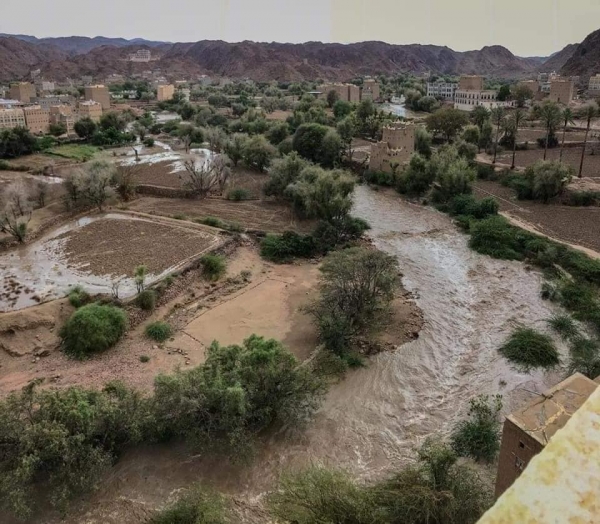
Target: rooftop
(549, 412)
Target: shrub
(549, 179)
(78, 297)
(92, 328)
(149, 141)
(417, 178)
(56, 444)
(380, 178)
(564, 326)
(469, 206)
(238, 195)
(583, 198)
(144, 359)
(211, 221)
(584, 357)
(286, 247)
(356, 289)
(159, 331)
(237, 392)
(196, 506)
(479, 436)
(528, 349)
(485, 172)
(146, 300)
(213, 266)
(495, 237)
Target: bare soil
(573, 225)
(260, 215)
(572, 156)
(117, 247)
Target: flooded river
(372, 421)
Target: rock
(43, 353)
(155, 347)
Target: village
(177, 253)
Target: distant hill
(84, 44)
(75, 56)
(585, 61)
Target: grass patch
(529, 349)
(196, 506)
(159, 331)
(564, 326)
(213, 266)
(78, 152)
(78, 297)
(238, 195)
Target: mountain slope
(585, 61)
(18, 58)
(557, 61)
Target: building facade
(37, 119)
(370, 90)
(527, 431)
(442, 90)
(594, 85)
(561, 91)
(470, 94)
(141, 55)
(22, 91)
(395, 148)
(63, 115)
(470, 83)
(165, 92)
(11, 117)
(90, 109)
(46, 102)
(100, 94)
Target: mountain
(18, 58)
(76, 56)
(556, 61)
(585, 61)
(75, 45)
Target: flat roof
(550, 411)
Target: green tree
(504, 93)
(479, 116)
(85, 128)
(235, 147)
(549, 178)
(568, 117)
(356, 290)
(471, 135)
(341, 109)
(423, 142)
(346, 129)
(58, 129)
(332, 97)
(258, 153)
(112, 120)
(497, 117)
(550, 115)
(588, 113)
(446, 121)
(521, 94)
(331, 149)
(308, 141)
(515, 121)
(283, 172)
(17, 142)
(278, 133)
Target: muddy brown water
(372, 421)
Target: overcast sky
(526, 27)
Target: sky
(526, 27)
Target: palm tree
(517, 117)
(550, 115)
(567, 117)
(497, 115)
(480, 116)
(589, 112)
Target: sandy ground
(117, 247)
(261, 215)
(573, 225)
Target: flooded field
(372, 421)
(95, 252)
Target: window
(521, 444)
(519, 464)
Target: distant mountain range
(75, 56)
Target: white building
(467, 100)
(141, 55)
(443, 90)
(594, 85)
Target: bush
(236, 393)
(159, 331)
(528, 349)
(196, 506)
(286, 247)
(57, 444)
(564, 326)
(211, 221)
(149, 141)
(479, 436)
(417, 178)
(239, 194)
(213, 266)
(584, 357)
(485, 172)
(78, 297)
(92, 328)
(583, 198)
(380, 178)
(146, 300)
(495, 237)
(356, 288)
(469, 206)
